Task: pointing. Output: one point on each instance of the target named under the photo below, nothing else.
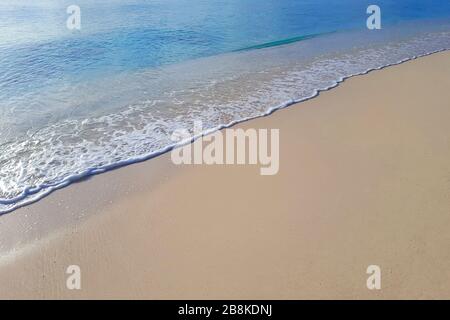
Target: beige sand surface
(364, 180)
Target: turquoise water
(120, 35)
(79, 102)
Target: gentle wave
(235, 88)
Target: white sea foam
(221, 91)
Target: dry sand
(364, 179)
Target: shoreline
(124, 163)
(132, 231)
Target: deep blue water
(125, 35)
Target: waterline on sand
(229, 89)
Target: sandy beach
(364, 180)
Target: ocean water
(80, 102)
